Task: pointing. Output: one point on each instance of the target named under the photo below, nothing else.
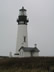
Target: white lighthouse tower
(22, 39)
(22, 49)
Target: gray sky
(40, 26)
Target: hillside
(32, 64)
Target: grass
(23, 70)
(34, 64)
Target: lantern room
(22, 18)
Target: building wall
(21, 53)
(24, 54)
(22, 31)
(28, 54)
(36, 54)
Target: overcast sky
(40, 26)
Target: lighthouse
(22, 49)
(22, 37)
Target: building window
(24, 38)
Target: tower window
(24, 38)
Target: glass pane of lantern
(22, 13)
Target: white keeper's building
(22, 49)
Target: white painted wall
(36, 54)
(24, 54)
(22, 31)
(21, 53)
(28, 54)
